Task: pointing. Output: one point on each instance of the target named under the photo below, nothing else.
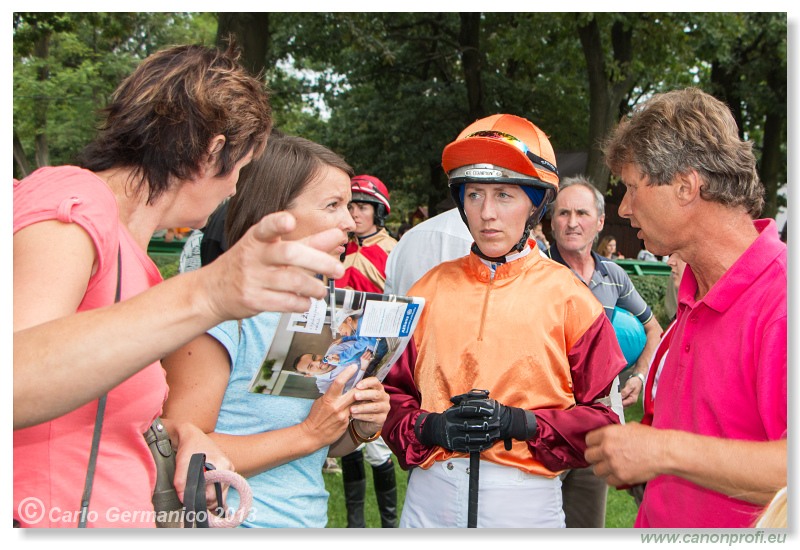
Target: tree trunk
(726, 78)
(772, 156)
(251, 32)
(469, 44)
(20, 158)
(723, 87)
(770, 162)
(605, 94)
(439, 191)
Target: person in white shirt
(438, 239)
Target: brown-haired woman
(607, 247)
(176, 134)
(279, 443)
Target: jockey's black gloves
(516, 423)
(472, 424)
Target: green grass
(337, 512)
(620, 508)
(167, 264)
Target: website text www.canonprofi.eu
(759, 536)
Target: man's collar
(599, 262)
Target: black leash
(90, 469)
(194, 496)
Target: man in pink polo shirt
(716, 452)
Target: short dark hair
(297, 360)
(162, 117)
(272, 182)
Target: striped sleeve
(629, 298)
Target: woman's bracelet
(357, 436)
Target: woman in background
(608, 248)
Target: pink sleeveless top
(50, 459)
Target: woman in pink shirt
(177, 132)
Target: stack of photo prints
(350, 327)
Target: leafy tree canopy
(389, 90)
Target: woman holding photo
(279, 443)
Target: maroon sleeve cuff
(404, 402)
(595, 360)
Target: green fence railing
(163, 248)
(637, 267)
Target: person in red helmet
(509, 323)
(370, 243)
(365, 269)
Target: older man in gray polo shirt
(577, 219)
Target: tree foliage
(67, 64)
(390, 90)
(747, 56)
